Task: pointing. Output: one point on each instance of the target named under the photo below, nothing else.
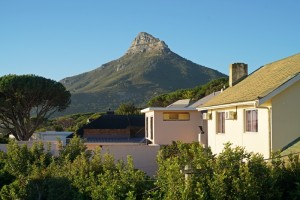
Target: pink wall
(164, 132)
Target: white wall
(53, 136)
(165, 132)
(286, 117)
(235, 132)
(53, 145)
(144, 156)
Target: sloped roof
(293, 147)
(180, 103)
(112, 121)
(202, 101)
(260, 83)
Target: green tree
(75, 148)
(127, 109)
(28, 166)
(172, 161)
(233, 174)
(193, 94)
(27, 100)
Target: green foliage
(69, 122)
(33, 173)
(75, 148)
(172, 161)
(5, 177)
(233, 174)
(4, 139)
(196, 93)
(127, 109)
(74, 174)
(27, 100)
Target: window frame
(146, 126)
(151, 128)
(252, 125)
(177, 116)
(220, 119)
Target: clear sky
(61, 38)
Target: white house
(260, 112)
(179, 121)
(52, 136)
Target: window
(176, 116)
(220, 122)
(146, 127)
(251, 121)
(151, 128)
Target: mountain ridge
(147, 68)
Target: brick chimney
(237, 72)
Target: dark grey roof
(114, 140)
(204, 99)
(112, 121)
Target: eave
(167, 109)
(247, 103)
(279, 89)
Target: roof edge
(149, 109)
(246, 103)
(279, 89)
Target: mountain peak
(144, 42)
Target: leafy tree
(5, 177)
(28, 166)
(27, 100)
(172, 161)
(194, 93)
(69, 122)
(33, 173)
(75, 148)
(127, 109)
(233, 174)
(4, 138)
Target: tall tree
(127, 109)
(27, 100)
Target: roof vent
(110, 112)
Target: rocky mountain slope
(148, 68)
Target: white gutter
(247, 103)
(167, 109)
(269, 108)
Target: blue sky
(61, 38)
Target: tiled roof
(260, 83)
(111, 121)
(180, 103)
(115, 140)
(202, 101)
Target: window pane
(184, 116)
(151, 128)
(166, 116)
(221, 122)
(146, 128)
(173, 116)
(248, 120)
(251, 121)
(254, 121)
(176, 116)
